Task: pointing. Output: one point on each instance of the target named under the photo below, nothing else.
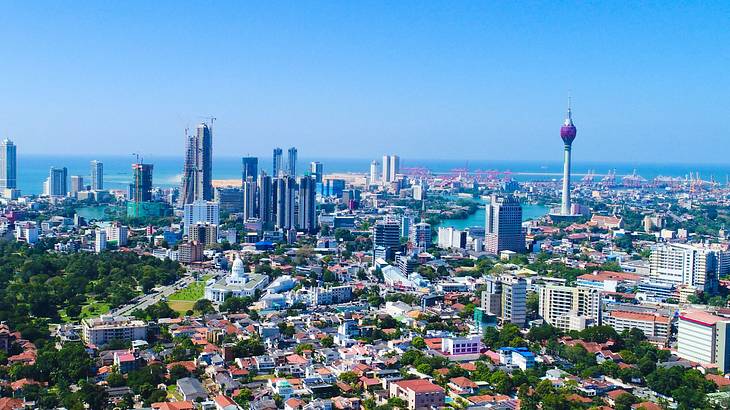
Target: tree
(327, 341)
(350, 378)
(94, 396)
(624, 401)
(204, 306)
(418, 343)
(177, 372)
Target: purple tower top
(568, 131)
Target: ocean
(33, 169)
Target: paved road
(165, 291)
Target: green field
(183, 299)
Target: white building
(506, 298)
(100, 331)
(570, 308)
(684, 264)
(331, 295)
(704, 338)
(451, 238)
(26, 231)
(461, 345)
(100, 240)
(200, 211)
(237, 284)
(116, 232)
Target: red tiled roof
(419, 386)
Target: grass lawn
(261, 377)
(193, 292)
(92, 308)
(181, 306)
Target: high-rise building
(374, 172)
(249, 168)
(200, 212)
(391, 167)
(57, 182)
(316, 169)
(386, 239)
(277, 163)
(249, 198)
(203, 232)
(503, 228)
(570, 308)
(703, 337)
(230, 199)
(291, 162)
(100, 240)
(141, 188)
(685, 264)
(116, 232)
(420, 236)
(8, 166)
(567, 133)
(265, 203)
(97, 175)
(77, 184)
(506, 298)
(197, 180)
(285, 188)
(307, 217)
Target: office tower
(374, 172)
(291, 162)
(77, 184)
(386, 239)
(265, 203)
(141, 188)
(506, 298)
(97, 175)
(203, 232)
(197, 180)
(307, 217)
(567, 133)
(315, 168)
(420, 236)
(570, 308)
(503, 229)
(277, 163)
(703, 337)
(8, 166)
(391, 168)
(230, 199)
(100, 240)
(200, 211)
(285, 193)
(116, 232)
(684, 264)
(249, 168)
(56, 184)
(249, 198)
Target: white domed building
(238, 283)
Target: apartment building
(704, 338)
(570, 308)
(419, 393)
(101, 330)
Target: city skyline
(448, 85)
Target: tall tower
(503, 228)
(141, 188)
(567, 133)
(291, 162)
(197, 179)
(277, 163)
(8, 176)
(97, 175)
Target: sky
(356, 79)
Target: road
(144, 301)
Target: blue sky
(451, 80)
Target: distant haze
(443, 80)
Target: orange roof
(433, 343)
(646, 405)
(577, 398)
(224, 401)
(488, 398)
(718, 380)
(644, 317)
(463, 382)
(419, 386)
(6, 403)
(175, 405)
(610, 275)
(700, 317)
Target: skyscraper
(386, 239)
(77, 184)
(277, 163)
(503, 228)
(265, 193)
(291, 162)
(249, 168)
(57, 182)
(97, 175)
(141, 188)
(8, 166)
(315, 168)
(567, 133)
(200, 212)
(285, 194)
(197, 180)
(374, 172)
(391, 167)
(307, 218)
(249, 198)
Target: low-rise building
(419, 394)
(101, 330)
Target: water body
(33, 169)
(98, 213)
(478, 218)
